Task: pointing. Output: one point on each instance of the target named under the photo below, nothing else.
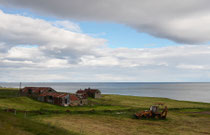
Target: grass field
(110, 115)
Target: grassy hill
(110, 115)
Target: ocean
(190, 91)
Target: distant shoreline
(129, 95)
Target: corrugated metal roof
(54, 94)
(89, 90)
(93, 90)
(73, 97)
(37, 89)
(81, 91)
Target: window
(29, 91)
(50, 97)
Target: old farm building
(56, 98)
(35, 91)
(49, 95)
(93, 93)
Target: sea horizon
(186, 91)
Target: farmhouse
(93, 93)
(57, 98)
(35, 91)
(49, 95)
(74, 100)
(81, 94)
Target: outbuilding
(93, 93)
(35, 91)
(57, 98)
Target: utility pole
(20, 91)
(20, 86)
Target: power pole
(20, 91)
(20, 86)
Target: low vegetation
(8, 92)
(110, 115)
(16, 125)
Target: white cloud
(40, 32)
(67, 25)
(23, 53)
(50, 42)
(35, 50)
(183, 21)
(56, 63)
(192, 67)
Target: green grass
(109, 115)
(8, 92)
(14, 125)
(176, 124)
(28, 104)
(145, 102)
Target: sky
(104, 41)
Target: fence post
(81, 129)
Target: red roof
(37, 89)
(92, 90)
(73, 97)
(54, 94)
(43, 94)
(81, 91)
(88, 90)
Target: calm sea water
(180, 91)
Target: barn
(93, 93)
(35, 91)
(56, 98)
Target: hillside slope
(110, 115)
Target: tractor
(153, 112)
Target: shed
(56, 98)
(35, 91)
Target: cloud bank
(38, 50)
(183, 21)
